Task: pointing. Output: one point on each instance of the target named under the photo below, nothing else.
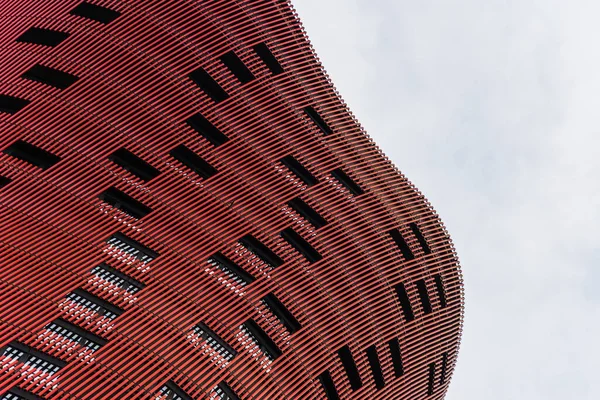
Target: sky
(492, 109)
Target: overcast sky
(492, 108)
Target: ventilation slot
(205, 128)
(282, 313)
(350, 367)
(44, 37)
(95, 304)
(261, 251)
(237, 67)
(298, 169)
(417, 232)
(32, 154)
(132, 247)
(439, 284)
(4, 181)
(316, 118)
(347, 181)
(444, 366)
(76, 334)
(125, 203)
(50, 76)
(301, 245)
(402, 245)
(94, 12)
(394, 346)
(231, 269)
(10, 104)
(404, 302)
(117, 278)
(132, 163)
(328, 386)
(262, 340)
(193, 161)
(431, 378)
(375, 367)
(218, 344)
(307, 212)
(208, 85)
(20, 394)
(425, 302)
(173, 392)
(268, 58)
(225, 392)
(33, 358)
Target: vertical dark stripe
(347, 182)
(439, 284)
(402, 245)
(350, 367)
(328, 386)
(298, 169)
(318, 120)
(206, 82)
(268, 58)
(237, 67)
(282, 313)
(265, 343)
(228, 391)
(424, 295)
(431, 378)
(301, 245)
(417, 232)
(444, 366)
(232, 267)
(193, 161)
(261, 251)
(394, 346)
(404, 302)
(375, 367)
(307, 212)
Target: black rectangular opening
(226, 390)
(42, 36)
(394, 346)
(347, 182)
(50, 76)
(420, 238)
(404, 302)
(237, 67)
(95, 12)
(32, 154)
(298, 169)
(439, 284)
(431, 378)
(444, 366)
(261, 251)
(350, 367)
(307, 212)
(231, 268)
(301, 245)
(264, 342)
(132, 163)
(375, 367)
(424, 295)
(208, 85)
(193, 161)
(21, 394)
(328, 386)
(11, 104)
(133, 247)
(118, 278)
(282, 313)
(76, 334)
(205, 128)
(29, 352)
(173, 391)
(316, 118)
(402, 245)
(94, 303)
(263, 52)
(215, 341)
(125, 203)
(4, 181)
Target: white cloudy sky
(492, 108)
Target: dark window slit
(42, 36)
(172, 391)
(32, 154)
(301, 245)
(439, 284)
(375, 367)
(282, 313)
(444, 366)
(21, 394)
(4, 181)
(50, 76)
(298, 169)
(316, 118)
(133, 247)
(421, 239)
(193, 161)
(215, 341)
(263, 52)
(328, 386)
(118, 278)
(125, 203)
(135, 165)
(95, 12)
(261, 251)
(404, 302)
(345, 180)
(264, 342)
(208, 85)
(402, 245)
(11, 104)
(223, 389)
(228, 266)
(350, 367)
(307, 212)
(48, 363)
(76, 334)
(431, 378)
(394, 346)
(237, 67)
(95, 303)
(424, 295)
(205, 128)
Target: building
(190, 211)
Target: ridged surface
(127, 85)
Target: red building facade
(190, 211)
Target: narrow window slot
(118, 278)
(20, 394)
(282, 313)
(301, 245)
(205, 128)
(328, 386)
(50, 76)
(135, 165)
(4, 181)
(262, 340)
(32, 154)
(402, 245)
(404, 302)
(230, 268)
(208, 85)
(424, 295)
(298, 169)
(431, 378)
(172, 391)
(11, 104)
(76, 334)
(394, 346)
(261, 251)
(420, 238)
(350, 367)
(32, 357)
(263, 52)
(125, 203)
(375, 367)
(348, 183)
(193, 161)
(237, 67)
(95, 303)
(318, 120)
(439, 284)
(225, 392)
(444, 366)
(215, 341)
(95, 12)
(42, 36)
(132, 247)
(307, 212)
